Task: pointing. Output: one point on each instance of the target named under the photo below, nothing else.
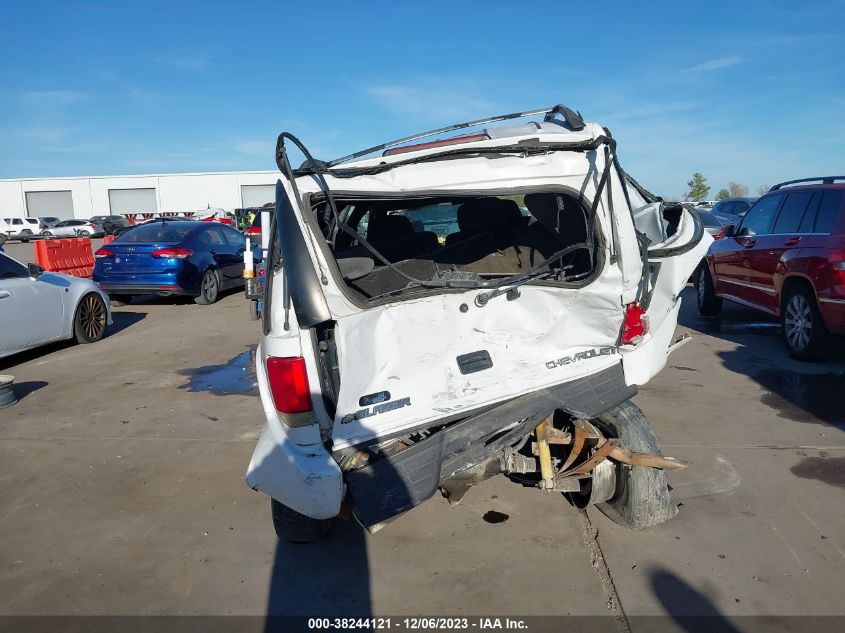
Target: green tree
(698, 187)
(737, 190)
(723, 194)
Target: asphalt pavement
(122, 491)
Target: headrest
(383, 227)
(480, 214)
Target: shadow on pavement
(23, 389)
(180, 299)
(734, 324)
(120, 321)
(797, 391)
(690, 608)
(123, 320)
(20, 358)
(329, 578)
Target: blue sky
(752, 92)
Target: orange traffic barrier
(108, 239)
(71, 257)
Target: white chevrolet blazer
(462, 307)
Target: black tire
(642, 497)
(46, 234)
(708, 303)
(804, 334)
(120, 300)
(89, 322)
(209, 288)
(292, 526)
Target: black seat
(394, 237)
(384, 227)
(475, 217)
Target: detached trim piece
(398, 483)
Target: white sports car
(38, 307)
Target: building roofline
(193, 173)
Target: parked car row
(785, 257)
(25, 229)
(163, 256)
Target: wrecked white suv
(465, 307)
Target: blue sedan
(171, 257)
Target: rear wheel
(46, 234)
(209, 289)
(642, 497)
(89, 324)
(295, 527)
(803, 329)
(708, 303)
(120, 300)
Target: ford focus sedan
(171, 257)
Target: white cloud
(433, 100)
(264, 148)
(716, 64)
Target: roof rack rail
(825, 180)
(573, 120)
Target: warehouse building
(84, 197)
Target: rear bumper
(398, 483)
(171, 283)
(304, 478)
(142, 290)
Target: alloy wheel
(209, 286)
(798, 322)
(92, 317)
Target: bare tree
(737, 190)
(762, 189)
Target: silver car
(38, 307)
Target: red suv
(787, 258)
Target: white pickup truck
(463, 307)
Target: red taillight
(104, 252)
(172, 253)
(289, 384)
(635, 326)
(254, 230)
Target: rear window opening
(460, 237)
(156, 233)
